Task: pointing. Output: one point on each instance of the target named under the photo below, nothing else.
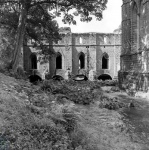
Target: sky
(111, 20)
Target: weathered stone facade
(33, 62)
(135, 42)
(91, 54)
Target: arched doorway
(81, 60)
(105, 61)
(33, 59)
(59, 61)
(104, 77)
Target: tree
(6, 47)
(118, 30)
(39, 15)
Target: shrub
(78, 92)
(110, 103)
(115, 89)
(47, 76)
(46, 86)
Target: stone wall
(41, 67)
(135, 40)
(91, 45)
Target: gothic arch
(137, 3)
(33, 60)
(58, 61)
(105, 61)
(104, 77)
(81, 57)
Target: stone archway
(81, 60)
(59, 61)
(33, 59)
(104, 77)
(105, 61)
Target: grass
(66, 117)
(33, 118)
(24, 124)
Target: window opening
(105, 61)
(33, 61)
(59, 61)
(81, 61)
(81, 41)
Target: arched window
(81, 61)
(59, 61)
(105, 61)
(81, 40)
(33, 58)
(105, 40)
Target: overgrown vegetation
(108, 82)
(32, 121)
(81, 92)
(132, 82)
(41, 118)
(45, 116)
(7, 42)
(111, 103)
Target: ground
(24, 106)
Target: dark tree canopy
(33, 19)
(39, 23)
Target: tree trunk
(16, 61)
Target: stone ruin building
(95, 55)
(135, 43)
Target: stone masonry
(91, 54)
(135, 43)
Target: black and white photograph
(74, 74)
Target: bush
(115, 89)
(7, 43)
(46, 86)
(47, 76)
(110, 103)
(78, 92)
(5, 67)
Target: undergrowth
(30, 128)
(43, 123)
(81, 92)
(110, 103)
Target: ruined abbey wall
(93, 46)
(85, 48)
(135, 40)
